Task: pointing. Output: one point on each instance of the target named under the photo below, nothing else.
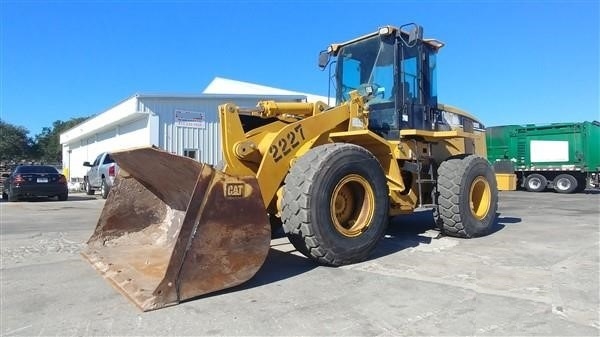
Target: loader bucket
(173, 229)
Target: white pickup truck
(101, 174)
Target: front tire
(88, 188)
(335, 204)
(468, 197)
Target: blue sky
(507, 62)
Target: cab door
(94, 174)
(418, 98)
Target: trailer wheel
(468, 197)
(335, 204)
(565, 183)
(535, 182)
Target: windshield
(370, 61)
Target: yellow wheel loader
(331, 176)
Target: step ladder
(424, 179)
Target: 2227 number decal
(286, 144)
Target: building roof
(126, 110)
(221, 85)
(175, 96)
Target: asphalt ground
(537, 274)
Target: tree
(48, 141)
(14, 143)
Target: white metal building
(186, 125)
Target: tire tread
(296, 212)
(450, 178)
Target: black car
(35, 181)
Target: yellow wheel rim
(480, 197)
(352, 205)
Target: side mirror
(87, 163)
(323, 59)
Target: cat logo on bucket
(234, 190)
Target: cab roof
(385, 30)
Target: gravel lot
(536, 275)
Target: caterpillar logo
(234, 190)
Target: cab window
(108, 159)
(97, 161)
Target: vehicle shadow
(412, 230)
(405, 231)
(53, 199)
(278, 266)
(501, 222)
(82, 197)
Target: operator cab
(399, 68)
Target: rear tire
(104, 189)
(565, 183)
(335, 204)
(535, 183)
(4, 195)
(63, 197)
(468, 197)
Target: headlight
(385, 31)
